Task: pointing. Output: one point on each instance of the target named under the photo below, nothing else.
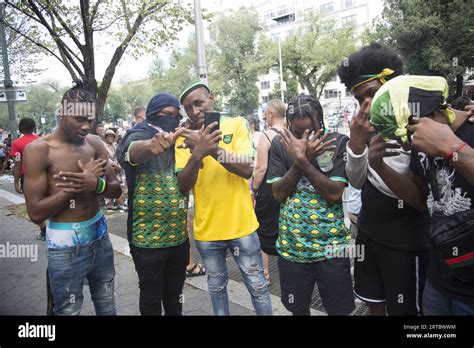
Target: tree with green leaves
(233, 59)
(42, 102)
(180, 70)
(123, 99)
(434, 37)
(312, 54)
(22, 56)
(68, 31)
(291, 88)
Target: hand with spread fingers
(316, 146)
(96, 166)
(296, 148)
(208, 141)
(190, 138)
(433, 138)
(378, 150)
(78, 182)
(361, 129)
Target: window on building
(265, 99)
(327, 26)
(306, 29)
(348, 93)
(283, 10)
(327, 8)
(349, 19)
(265, 85)
(330, 93)
(348, 3)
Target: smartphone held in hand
(211, 117)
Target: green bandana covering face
(406, 96)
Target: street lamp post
(340, 108)
(201, 52)
(339, 95)
(281, 70)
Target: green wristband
(101, 186)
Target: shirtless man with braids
(64, 177)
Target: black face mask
(166, 122)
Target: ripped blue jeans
(247, 254)
(69, 267)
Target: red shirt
(18, 146)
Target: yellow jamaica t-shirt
(223, 207)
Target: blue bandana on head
(158, 103)
(152, 122)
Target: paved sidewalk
(23, 284)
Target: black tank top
(267, 210)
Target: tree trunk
(311, 89)
(99, 108)
(301, 81)
(310, 86)
(103, 90)
(321, 90)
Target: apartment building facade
(282, 18)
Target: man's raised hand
(208, 141)
(163, 141)
(316, 146)
(378, 149)
(360, 128)
(191, 138)
(296, 148)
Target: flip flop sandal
(196, 273)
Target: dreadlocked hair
(80, 93)
(305, 106)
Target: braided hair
(305, 106)
(80, 93)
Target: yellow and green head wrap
(406, 96)
(366, 78)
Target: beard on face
(78, 140)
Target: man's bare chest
(66, 159)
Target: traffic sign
(19, 94)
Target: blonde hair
(277, 107)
